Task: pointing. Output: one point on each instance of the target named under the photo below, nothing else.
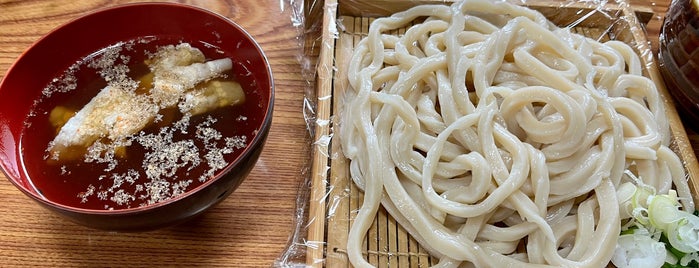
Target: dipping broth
(174, 153)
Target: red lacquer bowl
(55, 52)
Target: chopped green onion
(639, 250)
(659, 233)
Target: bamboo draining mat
(335, 199)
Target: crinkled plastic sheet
(319, 24)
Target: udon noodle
(498, 139)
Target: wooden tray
(334, 200)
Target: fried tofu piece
(116, 112)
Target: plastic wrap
(328, 199)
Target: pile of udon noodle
(497, 139)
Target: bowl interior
(53, 54)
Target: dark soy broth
(95, 185)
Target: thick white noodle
(497, 139)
